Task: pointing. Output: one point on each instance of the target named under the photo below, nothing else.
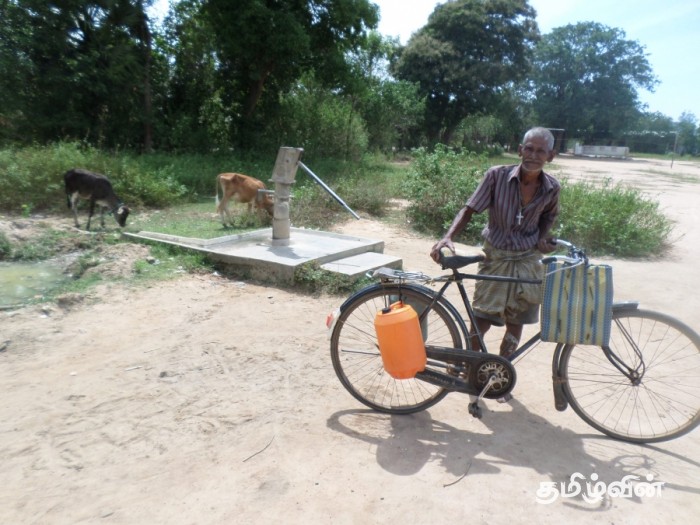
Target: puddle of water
(22, 281)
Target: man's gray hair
(540, 132)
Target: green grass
(505, 159)
(198, 220)
(174, 195)
(311, 278)
(168, 262)
(81, 286)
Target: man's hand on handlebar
(547, 244)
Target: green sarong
(509, 302)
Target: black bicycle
(643, 387)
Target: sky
(669, 30)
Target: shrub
(324, 124)
(31, 178)
(5, 247)
(48, 243)
(438, 185)
(611, 220)
(366, 186)
(608, 220)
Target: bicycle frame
(457, 278)
(561, 403)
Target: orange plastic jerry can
(400, 340)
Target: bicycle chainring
(498, 368)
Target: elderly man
(522, 202)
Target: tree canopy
(76, 68)
(253, 74)
(264, 47)
(585, 79)
(468, 54)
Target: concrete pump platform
(261, 257)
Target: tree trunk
(147, 91)
(255, 91)
(447, 134)
(148, 106)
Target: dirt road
(209, 401)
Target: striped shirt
(499, 192)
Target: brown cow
(243, 189)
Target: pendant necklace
(520, 216)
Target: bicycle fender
(381, 286)
(625, 305)
(561, 403)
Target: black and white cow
(83, 184)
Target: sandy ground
(210, 401)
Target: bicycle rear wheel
(355, 350)
(663, 403)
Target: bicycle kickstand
(474, 408)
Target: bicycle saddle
(454, 262)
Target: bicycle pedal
(475, 410)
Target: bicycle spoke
(358, 363)
(662, 403)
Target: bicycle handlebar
(574, 256)
(562, 242)
(564, 258)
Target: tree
(391, 109)
(469, 52)
(687, 134)
(367, 109)
(655, 122)
(651, 133)
(319, 120)
(14, 36)
(141, 30)
(195, 114)
(265, 45)
(585, 80)
(83, 67)
(393, 113)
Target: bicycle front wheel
(661, 399)
(355, 350)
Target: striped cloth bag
(577, 304)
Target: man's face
(535, 154)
